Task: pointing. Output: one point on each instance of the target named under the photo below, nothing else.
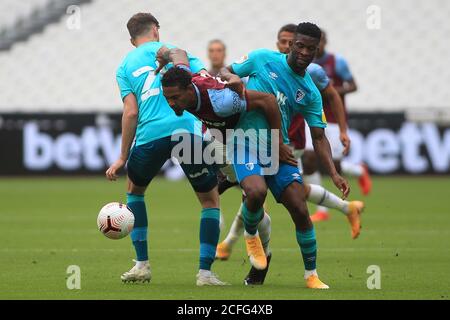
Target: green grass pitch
(50, 223)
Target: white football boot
(136, 274)
(207, 278)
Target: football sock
(320, 196)
(251, 219)
(307, 242)
(351, 169)
(264, 229)
(316, 178)
(139, 233)
(236, 230)
(209, 236)
(141, 264)
(309, 273)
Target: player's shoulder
(258, 54)
(266, 53)
(315, 68)
(340, 59)
(206, 81)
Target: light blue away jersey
(156, 119)
(268, 71)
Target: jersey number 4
(147, 90)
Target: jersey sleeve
(195, 64)
(226, 102)
(248, 64)
(314, 115)
(123, 82)
(342, 69)
(319, 77)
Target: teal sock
(251, 219)
(139, 233)
(307, 242)
(209, 236)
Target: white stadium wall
(398, 50)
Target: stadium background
(60, 106)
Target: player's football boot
(320, 216)
(223, 251)
(364, 181)
(209, 279)
(257, 277)
(136, 274)
(354, 217)
(255, 251)
(313, 282)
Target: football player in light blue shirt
(148, 118)
(286, 78)
(316, 194)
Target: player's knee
(256, 195)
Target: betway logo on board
(93, 149)
(417, 148)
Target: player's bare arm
(337, 107)
(175, 55)
(129, 124)
(347, 87)
(233, 81)
(323, 151)
(265, 102)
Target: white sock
(204, 272)
(236, 230)
(141, 264)
(351, 169)
(316, 178)
(264, 229)
(320, 196)
(221, 222)
(309, 273)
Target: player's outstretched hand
(111, 173)
(162, 56)
(345, 140)
(342, 185)
(287, 156)
(235, 83)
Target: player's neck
(144, 40)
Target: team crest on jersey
(299, 95)
(250, 166)
(242, 59)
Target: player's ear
(132, 42)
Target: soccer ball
(115, 220)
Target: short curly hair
(176, 77)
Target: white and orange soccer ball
(115, 220)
